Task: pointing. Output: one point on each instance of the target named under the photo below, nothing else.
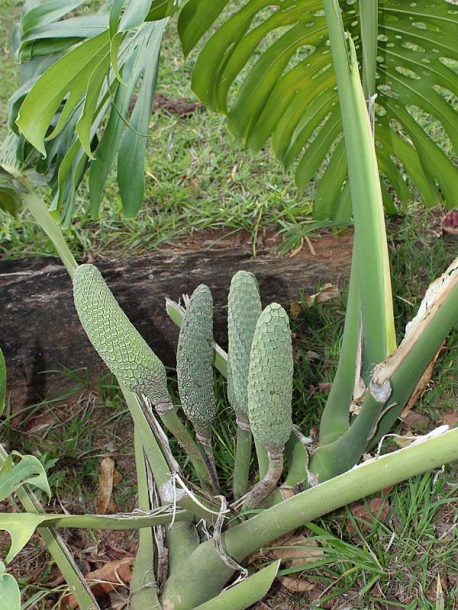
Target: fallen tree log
(41, 333)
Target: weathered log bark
(41, 331)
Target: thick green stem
(335, 419)
(163, 476)
(297, 457)
(187, 589)
(39, 210)
(337, 457)
(368, 14)
(143, 586)
(242, 462)
(438, 314)
(400, 373)
(175, 426)
(182, 541)
(266, 485)
(206, 444)
(263, 459)
(371, 245)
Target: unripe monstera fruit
(195, 362)
(270, 380)
(244, 308)
(116, 340)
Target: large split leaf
(268, 67)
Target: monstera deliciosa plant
(268, 66)
(346, 91)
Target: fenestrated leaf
(268, 67)
(76, 100)
(10, 200)
(28, 470)
(107, 149)
(91, 101)
(69, 176)
(115, 35)
(56, 37)
(196, 17)
(21, 528)
(135, 14)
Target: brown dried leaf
(110, 577)
(450, 417)
(295, 551)
(365, 513)
(295, 309)
(326, 293)
(417, 421)
(107, 479)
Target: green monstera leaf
(268, 66)
(88, 83)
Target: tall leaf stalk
(370, 336)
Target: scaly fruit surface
(270, 380)
(244, 309)
(116, 340)
(195, 362)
